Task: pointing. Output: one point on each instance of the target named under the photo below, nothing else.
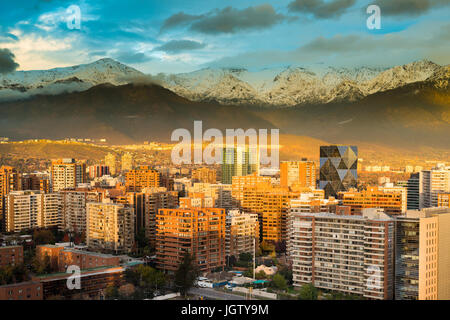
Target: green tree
(245, 256)
(308, 292)
(279, 282)
(186, 274)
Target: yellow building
(199, 231)
(444, 200)
(301, 173)
(110, 227)
(241, 182)
(393, 202)
(205, 175)
(67, 174)
(142, 177)
(423, 257)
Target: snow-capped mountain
(22, 84)
(294, 85)
(287, 86)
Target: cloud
(409, 7)
(133, 57)
(423, 41)
(321, 9)
(176, 46)
(228, 20)
(7, 63)
(179, 19)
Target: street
(216, 295)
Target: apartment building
(205, 175)
(433, 182)
(36, 181)
(30, 290)
(62, 257)
(146, 204)
(67, 174)
(220, 193)
(199, 231)
(344, 253)
(312, 203)
(98, 171)
(140, 178)
(110, 227)
(272, 206)
(9, 181)
(11, 256)
(391, 199)
(422, 270)
(299, 173)
(241, 232)
(73, 207)
(111, 163)
(32, 209)
(444, 200)
(252, 180)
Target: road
(214, 294)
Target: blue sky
(174, 36)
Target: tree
(260, 275)
(280, 246)
(186, 274)
(43, 237)
(308, 292)
(111, 292)
(279, 282)
(245, 256)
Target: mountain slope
(23, 84)
(417, 114)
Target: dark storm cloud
(7, 63)
(176, 46)
(133, 57)
(321, 9)
(229, 20)
(409, 7)
(178, 20)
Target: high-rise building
(251, 180)
(111, 163)
(433, 182)
(9, 181)
(140, 178)
(272, 206)
(338, 169)
(198, 231)
(110, 227)
(67, 174)
(391, 199)
(343, 253)
(300, 173)
(98, 171)
(312, 203)
(444, 200)
(146, 204)
(413, 192)
(27, 210)
(239, 161)
(422, 270)
(73, 207)
(241, 233)
(220, 193)
(205, 175)
(127, 162)
(36, 181)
